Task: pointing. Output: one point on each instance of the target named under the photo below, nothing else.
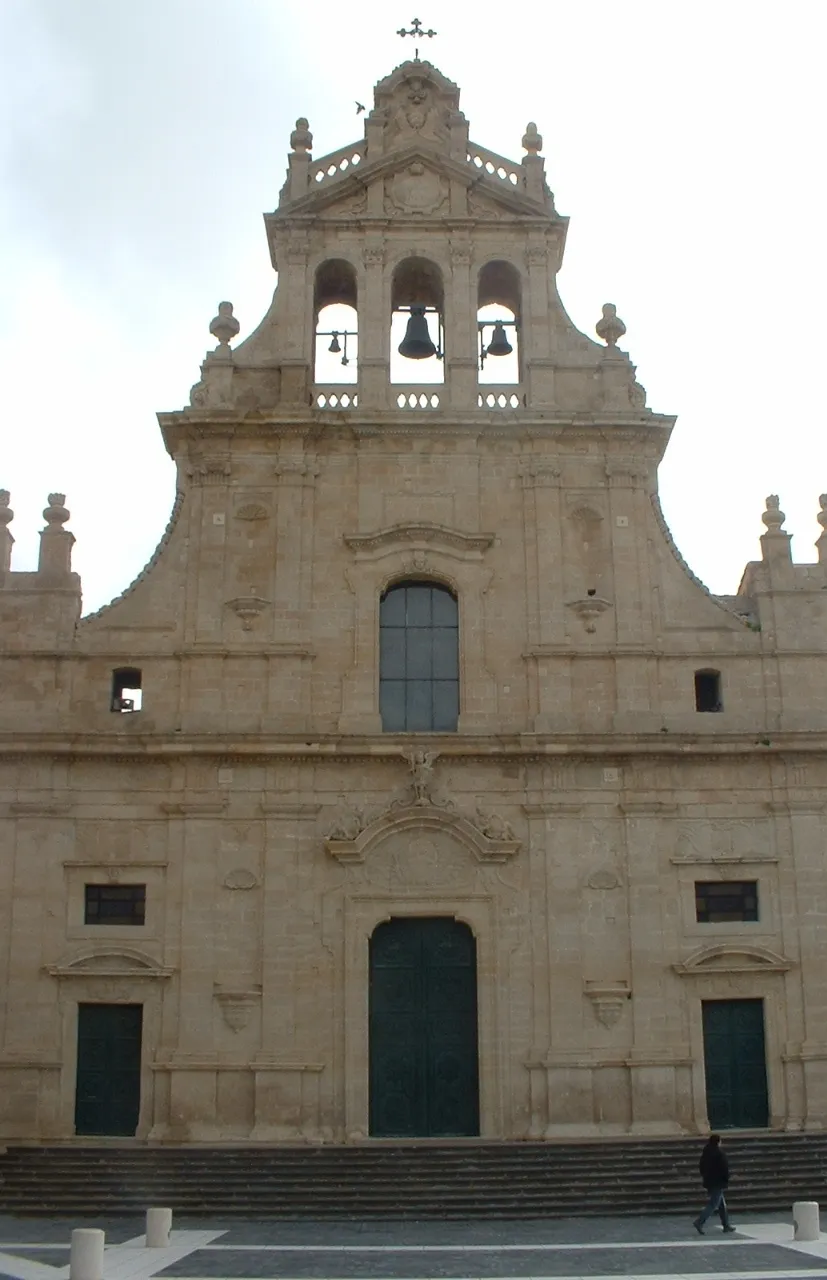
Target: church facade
(416, 788)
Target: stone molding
(466, 546)
(734, 957)
(114, 962)
(422, 817)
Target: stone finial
(821, 540)
(6, 539)
(773, 516)
(821, 517)
(532, 140)
(224, 326)
(56, 514)
(301, 139)
(611, 327)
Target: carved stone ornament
(589, 610)
(240, 878)
(237, 1006)
(116, 963)
(428, 825)
(248, 609)
(417, 190)
(732, 958)
(610, 327)
(251, 511)
(608, 1001)
(604, 878)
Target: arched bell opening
(498, 324)
(336, 323)
(417, 310)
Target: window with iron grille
(114, 904)
(723, 901)
(418, 659)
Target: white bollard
(158, 1225)
(806, 1225)
(86, 1254)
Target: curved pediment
(419, 535)
(114, 962)
(496, 846)
(732, 958)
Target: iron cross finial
(417, 31)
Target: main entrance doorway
(424, 1074)
(735, 1064)
(108, 1091)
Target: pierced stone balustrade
(507, 396)
(337, 164)
(495, 166)
(335, 396)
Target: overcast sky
(141, 142)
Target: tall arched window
(337, 323)
(418, 659)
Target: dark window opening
(708, 691)
(723, 901)
(114, 904)
(418, 659)
(126, 690)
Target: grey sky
(142, 142)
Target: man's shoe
(698, 1227)
(729, 1230)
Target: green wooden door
(735, 1064)
(423, 1029)
(108, 1090)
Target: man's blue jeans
(715, 1204)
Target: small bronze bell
(499, 344)
(416, 344)
(335, 347)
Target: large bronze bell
(499, 344)
(416, 344)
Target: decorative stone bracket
(248, 609)
(588, 610)
(608, 1000)
(237, 1005)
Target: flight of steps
(396, 1180)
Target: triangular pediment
(416, 182)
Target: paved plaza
(655, 1247)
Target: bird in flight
(359, 108)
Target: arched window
(337, 327)
(498, 323)
(417, 309)
(418, 659)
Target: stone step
(408, 1181)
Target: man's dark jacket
(714, 1166)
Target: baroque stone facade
(215, 735)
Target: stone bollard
(806, 1224)
(86, 1254)
(158, 1225)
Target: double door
(735, 1064)
(108, 1089)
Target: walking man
(714, 1168)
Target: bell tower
(447, 256)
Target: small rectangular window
(114, 904)
(708, 691)
(723, 901)
(126, 692)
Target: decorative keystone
(224, 326)
(611, 327)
